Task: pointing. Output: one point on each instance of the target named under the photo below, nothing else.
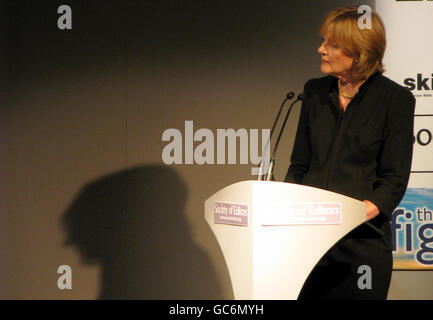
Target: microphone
(289, 96)
(268, 176)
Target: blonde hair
(367, 45)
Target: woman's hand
(372, 210)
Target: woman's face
(334, 61)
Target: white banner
(409, 61)
(409, 52)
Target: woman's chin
(325, 69)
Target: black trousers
(358, 267)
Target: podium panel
(272, 234)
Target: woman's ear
(357, 58)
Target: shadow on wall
(132, 223)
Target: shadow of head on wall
(132, 223)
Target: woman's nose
(321, 49)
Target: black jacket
(364, 152)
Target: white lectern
(272, 234)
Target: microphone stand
(289, 96)
(269, 175)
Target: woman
(355, 137)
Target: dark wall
(82, 179)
